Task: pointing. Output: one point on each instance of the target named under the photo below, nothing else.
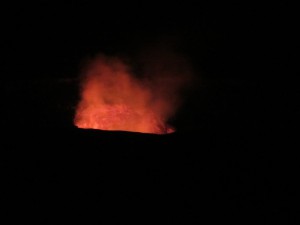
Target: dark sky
(230, 43)
(51, 39)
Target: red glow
(112, 98)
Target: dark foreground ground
(227, 163)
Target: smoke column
(138, 97)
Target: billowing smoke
(138, 96)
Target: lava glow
(114, 98)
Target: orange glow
(113, 98)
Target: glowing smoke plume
(113, 97)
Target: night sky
(50, 40)
(223, 164)
(228, 47)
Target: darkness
(233, 157)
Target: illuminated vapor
(114, 97)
